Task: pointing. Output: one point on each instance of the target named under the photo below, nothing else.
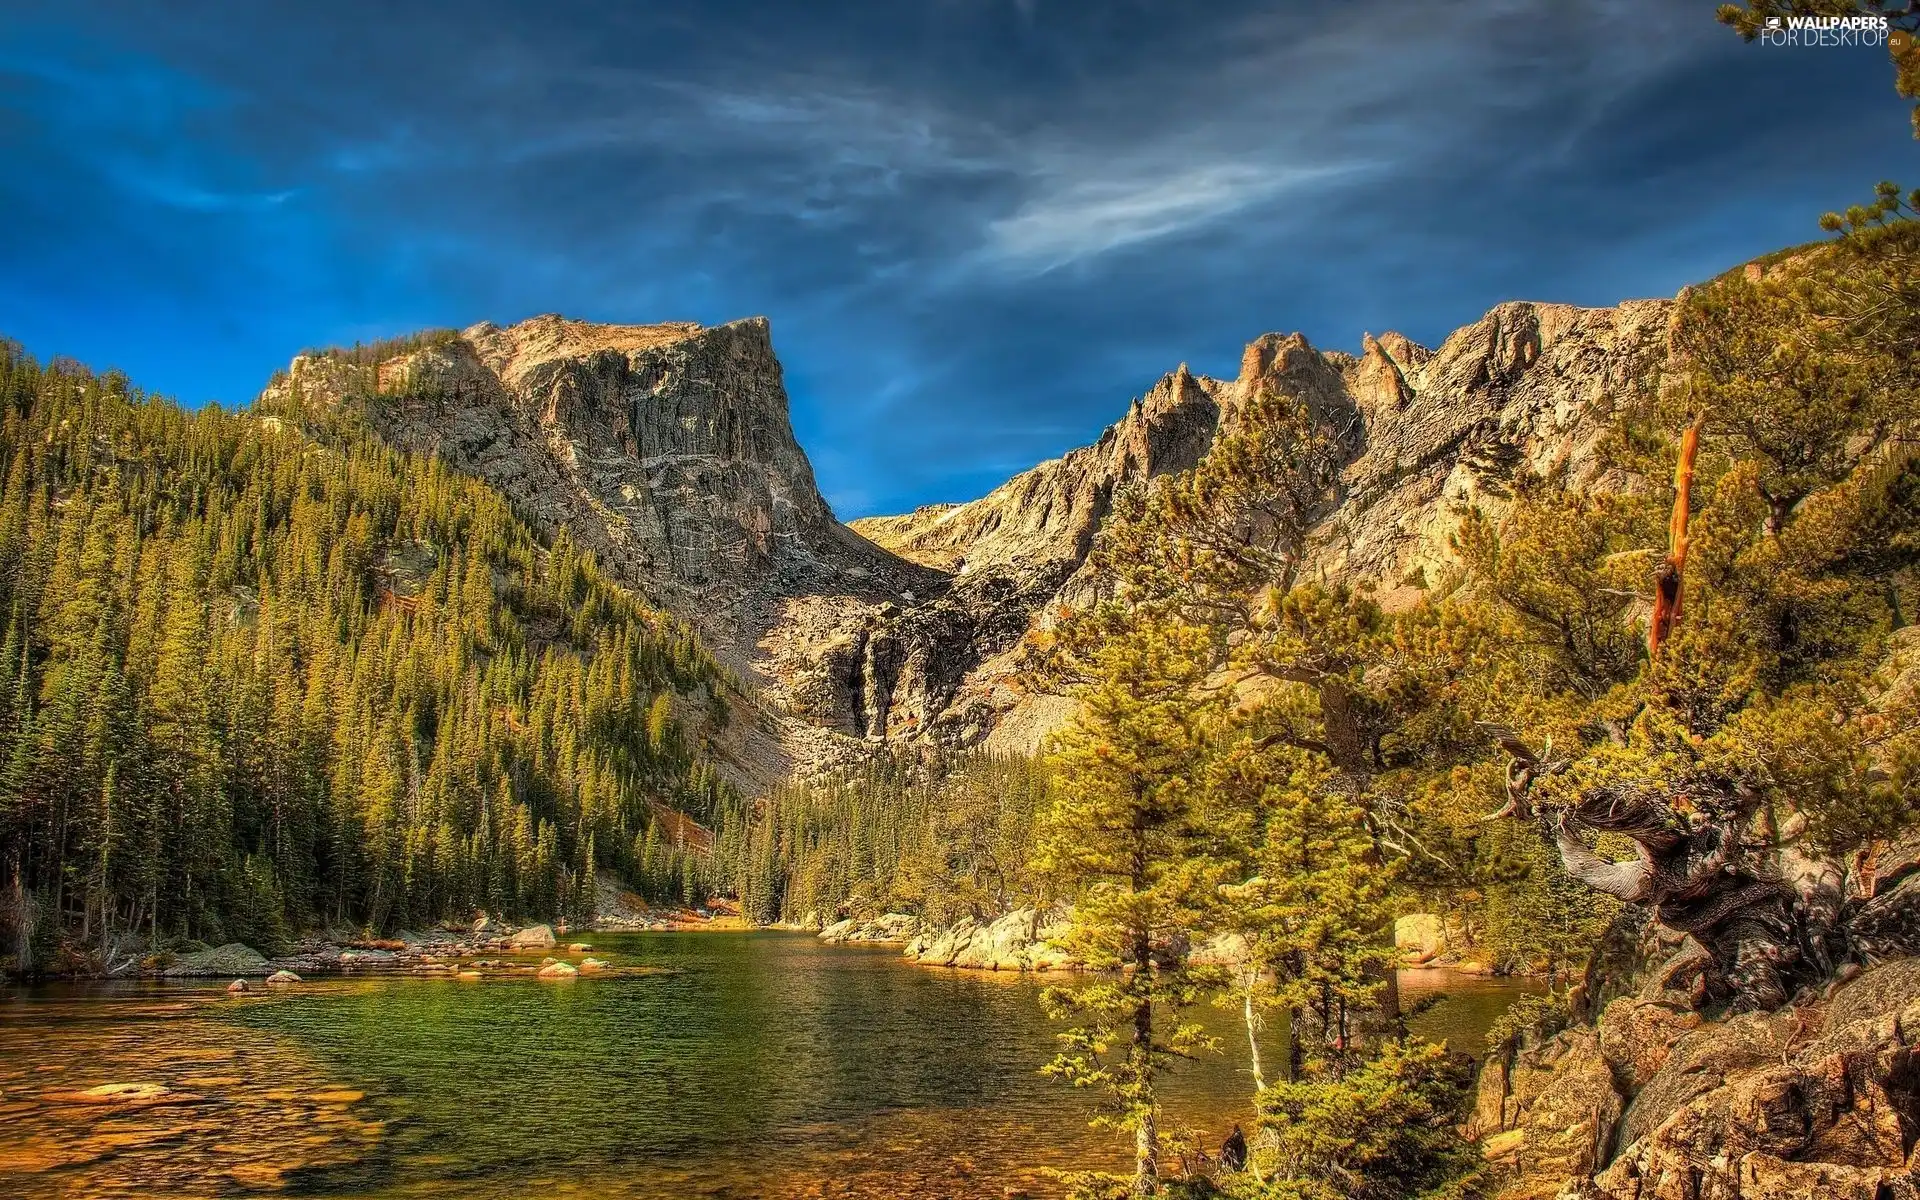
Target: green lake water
(758, 1064)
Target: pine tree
(1125, 837)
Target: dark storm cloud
(978, 227)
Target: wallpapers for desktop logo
(1826, 31)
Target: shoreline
(492, 948)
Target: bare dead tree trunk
(1251, 1016)
(1667, 577)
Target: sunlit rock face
(1426, 434)
(667, 450)
(1806, 1103)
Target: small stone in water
(338, 1096)
(109, 1093)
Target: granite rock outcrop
(1653, 1102)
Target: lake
(756, 1065)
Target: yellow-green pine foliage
(261, 676)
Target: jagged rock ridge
(667, 449)
(1428, 434)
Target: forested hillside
(943, 837)
(261, 676)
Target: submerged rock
(119, 1093)
(558, 970)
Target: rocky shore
(1022, 940)
(1028, 939)
(444, 950)
(439, 952)
(1652, 1100)
(1025, 939)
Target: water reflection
(763, 1065)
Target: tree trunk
(1146, 1141)
(1773, 921)
(22, 919)
(1668, 577)
(1146, 1133)
(1252, 1018)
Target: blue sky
(979, 227)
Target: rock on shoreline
(1018, 941)
(408, 952)
(230, 959)
(1814, 1102)
(1025, 939)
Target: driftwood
(1773, 920)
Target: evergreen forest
(264, 674)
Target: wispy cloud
(1089, 217)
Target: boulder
(558, 970)
(1564, 1108)
(350, 958)
(533, 937)
(230, 959)
(1220, 950)
(942, 949)
(1013, 942)
(592, 964)
(1047, 956)
(1636, 1036)
(1816, 1102)
(238, 985)
(578, 948)
(900, 928)
(891, 927)
(283, 977)
(1005, 944)
(1419, 937)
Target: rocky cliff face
(665, 449)
(1428, 433)
(1654, 1103)
(1044, 520)
(668, 451)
